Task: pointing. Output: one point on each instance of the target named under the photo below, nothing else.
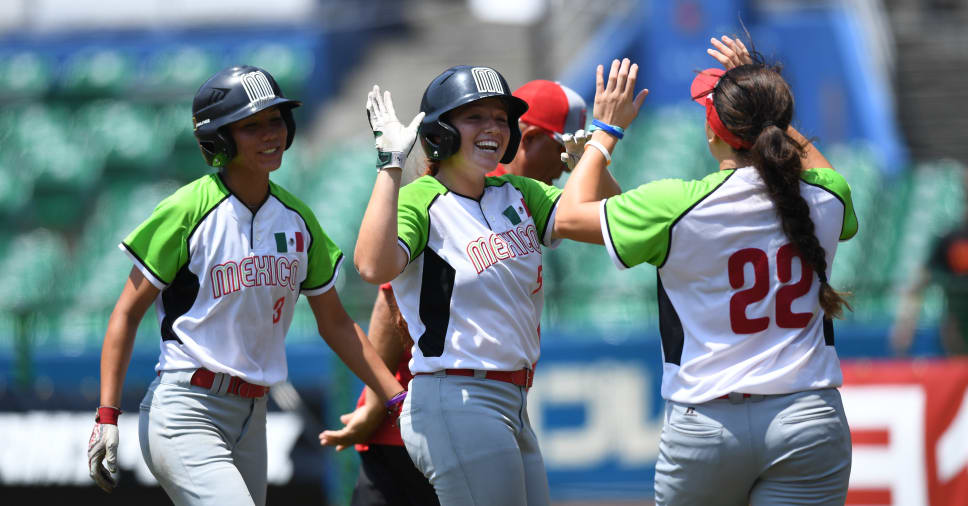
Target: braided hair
(755, 104)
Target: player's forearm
(373, 410)
(813, 158)
(376, 254)
(383, 333)
(115, 357)
(352, 347)
(589, 183)
(591, 177)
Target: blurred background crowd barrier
(95, 129)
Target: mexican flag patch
(289, 242)
(514, 215)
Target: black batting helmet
(453, 88)
(228, 96)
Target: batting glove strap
(107, 414)
(390, 159)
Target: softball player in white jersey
(750, 371)
(468, 283)
(224, 259)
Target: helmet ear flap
(513, 141)
(218, 149)
(448, 140)
(290, 124)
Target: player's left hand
(358, 426)
(615, 100)
(390, 135)
(103, 446)
(729, 52)
(574, 147)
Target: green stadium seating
(97, 71)
(107, 161)
(177, 71)
(34, 270)
(290, 66)
(24, 74)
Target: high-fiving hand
(729, 52)
(393, 141)
(615, 101)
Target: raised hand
(729, 52)
(615, 101)
(393, 140)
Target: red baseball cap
(701, 91)
(552, 106)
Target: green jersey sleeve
(835, 183)
(160, 243)
(538, 197)
(325, 259)
(324, 255)
(637, 224)
(413, 212)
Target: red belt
(745, 396)
(521, 378)
(237, 386)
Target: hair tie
(823, 277)
(767, 124)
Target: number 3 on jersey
(277, 309)
(785, 317)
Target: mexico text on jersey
(739, 309)
(230, 277)
(471, 293)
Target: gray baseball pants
(204, 448)
(472, 439)
(761, 450)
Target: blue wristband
(615, 131)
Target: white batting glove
(574, 147)
(393, 140)
(103, 446)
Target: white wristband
(601, 147)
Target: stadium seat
(24, 73)
(288, 64)
(34, 270)
(97, 72)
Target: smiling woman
(225, 259)
(464, 253)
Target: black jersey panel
(436, 289)
(828, 331)
(670, 327)
(177, 299)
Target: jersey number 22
(785, 317)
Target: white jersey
(472, 293)
(739, 310)
(230, 278)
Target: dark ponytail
(756, 104)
